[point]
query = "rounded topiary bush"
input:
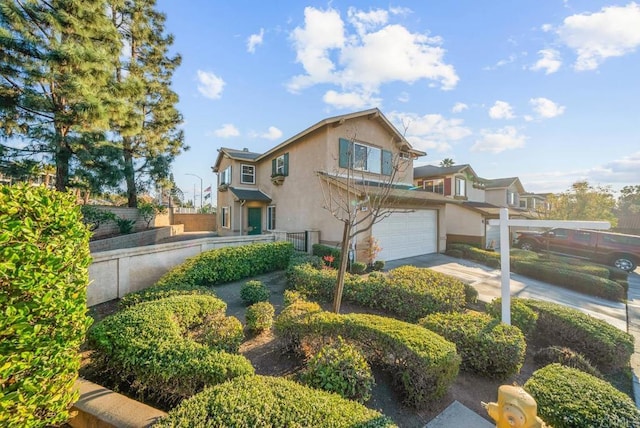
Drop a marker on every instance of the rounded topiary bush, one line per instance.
(358, 268)
(220, 332)
(570, 398)
(566, 357)
(263, 401)
(522, 316)
(44, 259)
(253, 292)
(339, 367)
(378, 265)
(486, 346)
(259, 316)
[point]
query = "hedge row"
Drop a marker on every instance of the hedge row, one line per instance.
(486, 346)
(409, 293)
(522, 316)
(44, 259)
(321, 250)
(570, 398)
(166, 348)
(604, 345)
(262, 401)
(423, 363)
(215, 267)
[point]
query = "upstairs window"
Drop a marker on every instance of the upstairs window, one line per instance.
(364, 157)
(280, 165)
(461, 187)
(511, 198)
(224, 177)
(248, 174)
(435, 186)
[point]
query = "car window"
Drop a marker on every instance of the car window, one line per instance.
(582, 236)
(560, 233)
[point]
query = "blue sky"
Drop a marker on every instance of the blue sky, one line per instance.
(548, 90)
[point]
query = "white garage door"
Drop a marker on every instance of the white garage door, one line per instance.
(407, 234)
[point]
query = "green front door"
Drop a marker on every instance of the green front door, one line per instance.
(254, 216)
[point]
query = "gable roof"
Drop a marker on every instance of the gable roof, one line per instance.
(427, 171)
(493, 211)
(503, 183)
(234, 154)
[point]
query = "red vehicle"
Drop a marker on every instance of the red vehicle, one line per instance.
(616, 249)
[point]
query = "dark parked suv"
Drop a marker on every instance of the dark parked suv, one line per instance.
(616, 249)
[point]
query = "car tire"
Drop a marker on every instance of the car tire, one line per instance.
(625, 262)
(527, 246)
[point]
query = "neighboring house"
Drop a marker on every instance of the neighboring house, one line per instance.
(286, 188)
(537, 204)
(478, 200)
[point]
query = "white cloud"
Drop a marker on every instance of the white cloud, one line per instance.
(459, 107)
(501, 110)
(430, 131)
(210, 85)
(404, 97)
(613, 31)
(549, 62)
(350, 100)
(272, 134)
(228, 130)
(545, 108)
(501, 63)
(625, 171)
(255, 40)
(374, 53)
(497, 141)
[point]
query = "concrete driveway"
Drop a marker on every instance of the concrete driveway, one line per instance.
(487, 281)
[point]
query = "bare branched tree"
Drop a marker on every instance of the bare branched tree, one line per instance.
(360, 196)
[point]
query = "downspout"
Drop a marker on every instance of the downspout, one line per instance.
(242, 202)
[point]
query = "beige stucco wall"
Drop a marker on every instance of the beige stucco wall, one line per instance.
(463, 221)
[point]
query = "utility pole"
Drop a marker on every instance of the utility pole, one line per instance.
(194, 190)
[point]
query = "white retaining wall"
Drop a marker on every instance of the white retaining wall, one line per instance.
(118, 272)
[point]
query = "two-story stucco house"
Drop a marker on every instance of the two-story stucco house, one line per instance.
(289, 187)
(477, 200)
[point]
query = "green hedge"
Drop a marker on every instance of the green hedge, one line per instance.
(157, 293)
(163, 348)
(262, 401)
(423, 363)
(321, 250)
(570, 398)
(486, 346)
(604, 345)
(409, 293)
(259, 316)
(44, 259)
(566, 357)
(522, 316)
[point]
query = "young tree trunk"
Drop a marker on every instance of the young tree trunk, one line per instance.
(344, 258)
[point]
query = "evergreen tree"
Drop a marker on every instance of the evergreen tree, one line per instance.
(583, 202)
(147, 137)
(56, 62)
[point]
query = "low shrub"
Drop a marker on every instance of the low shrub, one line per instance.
(254, 292)
(220, 332)
(378, 265)
(153, 346)
(470, 294)
(358, 268)
(407, 292)
(604, 345)
(292, 296)
(522, 316)
(486, 346)
(422, 362)
(156, 293)
(565, 357)
(262, 401)
(44, 260)
(321, 251)
(458, 254)
(339, 367)
(259, 316)
(228, 264)
(570, 398)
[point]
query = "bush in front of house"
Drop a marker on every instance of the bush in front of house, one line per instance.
(422, 362)
(522, 316)
(487, 346)
(470, 294)
(569, 398)
(378, 265)
(358, 268)
(259, 316)
(156, 293)
(339, 367)
(264, 401)
(604, 345)
(565, 357)
(407, 292)
(220, 332)
(44, 260)
(162, 348)
(253, 292)
(228, 264)
(322, 251)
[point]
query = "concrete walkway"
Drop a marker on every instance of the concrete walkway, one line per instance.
(488, 283)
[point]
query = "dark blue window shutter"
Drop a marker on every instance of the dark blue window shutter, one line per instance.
(345, 153)
(387, 162)
(286, 164)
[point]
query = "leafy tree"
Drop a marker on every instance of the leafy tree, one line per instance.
(583, 202)
(56, 62)
(446, 162)
(629, 200)
(147, 136)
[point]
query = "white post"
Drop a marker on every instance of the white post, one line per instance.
(505, 265)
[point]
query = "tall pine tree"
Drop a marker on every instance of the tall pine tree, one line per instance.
(56, 63)
(147, 137)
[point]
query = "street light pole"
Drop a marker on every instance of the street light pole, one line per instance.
(194, 196)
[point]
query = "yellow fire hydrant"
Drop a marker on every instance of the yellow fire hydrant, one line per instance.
(514, 409)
